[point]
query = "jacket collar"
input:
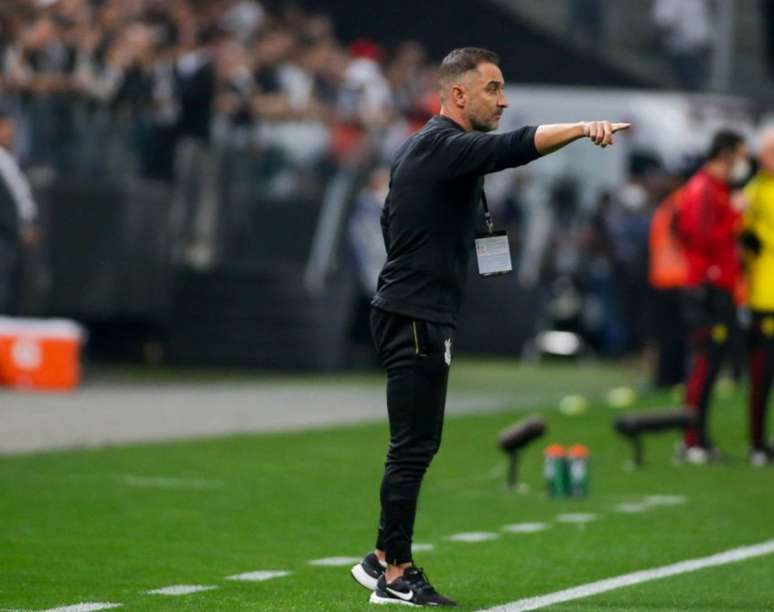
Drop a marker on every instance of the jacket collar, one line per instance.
(448, 120)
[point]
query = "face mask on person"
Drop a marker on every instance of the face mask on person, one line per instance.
(740, 170)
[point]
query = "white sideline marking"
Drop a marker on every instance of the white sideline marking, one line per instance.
(525, 527)
(633, 507)
(474, 536)
(576, 517)
(86, 607)
(166, 482)
(180, 589)
(334, 561)
(79, 607)
(259, 576)
(665, 500)
(420, 547)
(610, 584)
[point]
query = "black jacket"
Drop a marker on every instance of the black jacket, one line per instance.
(9, 217)
(429, 218)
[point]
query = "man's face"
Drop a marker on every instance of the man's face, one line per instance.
(739, 168)
(484, 97)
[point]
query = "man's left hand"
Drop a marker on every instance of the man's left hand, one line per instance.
(601, 132)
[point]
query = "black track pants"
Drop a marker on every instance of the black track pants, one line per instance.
(761, 375)
(710, 314)
(416, 355)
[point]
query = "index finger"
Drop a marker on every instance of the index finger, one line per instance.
(617, 127)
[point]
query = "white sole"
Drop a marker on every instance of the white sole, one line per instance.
(362, 578)
(382, 601)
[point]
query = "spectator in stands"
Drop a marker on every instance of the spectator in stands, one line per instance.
(365, 96)
(405, 76)
(195, 83)
(272, 66)
(236, 85)
(367, 248)
(686, 30)
(42, 72)
(365, 231)
(131, 60)
(18, 214)
(193, 211)
(243, 18)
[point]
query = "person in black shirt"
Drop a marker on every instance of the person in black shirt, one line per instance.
(18, 214)
(428, 223)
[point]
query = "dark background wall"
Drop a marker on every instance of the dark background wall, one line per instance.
(527, 55)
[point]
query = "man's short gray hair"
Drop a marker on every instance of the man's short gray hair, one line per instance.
(460, 61)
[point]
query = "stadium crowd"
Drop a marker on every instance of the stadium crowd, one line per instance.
(166, 71)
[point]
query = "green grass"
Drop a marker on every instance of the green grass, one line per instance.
(72, 528)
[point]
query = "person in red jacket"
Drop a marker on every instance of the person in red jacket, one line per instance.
(708, 225)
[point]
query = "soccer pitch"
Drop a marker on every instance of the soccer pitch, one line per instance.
(113, 524)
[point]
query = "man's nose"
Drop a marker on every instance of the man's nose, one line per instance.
(502, 102)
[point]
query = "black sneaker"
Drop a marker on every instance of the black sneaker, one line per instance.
(411, 589)
(368, 571)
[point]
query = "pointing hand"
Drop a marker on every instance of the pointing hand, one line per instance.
(601, 132)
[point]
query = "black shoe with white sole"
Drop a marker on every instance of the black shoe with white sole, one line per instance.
(368, 571)
(699, 455)
(411, 589)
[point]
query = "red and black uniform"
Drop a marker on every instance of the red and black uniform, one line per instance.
(708, 227)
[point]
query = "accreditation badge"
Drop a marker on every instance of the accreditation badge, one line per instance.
(493, 254)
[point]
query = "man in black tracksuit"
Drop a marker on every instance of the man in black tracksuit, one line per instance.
(429, 223)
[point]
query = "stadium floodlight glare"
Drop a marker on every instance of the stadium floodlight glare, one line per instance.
(635, 424)
(515, 437)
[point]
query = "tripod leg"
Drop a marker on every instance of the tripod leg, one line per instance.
(639, 451)
(513, 469)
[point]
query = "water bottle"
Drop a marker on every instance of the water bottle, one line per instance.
(578, 461)
(555, 471)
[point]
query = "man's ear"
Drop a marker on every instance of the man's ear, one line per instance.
(458, 95)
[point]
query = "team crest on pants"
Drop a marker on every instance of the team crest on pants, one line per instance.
(447, 351)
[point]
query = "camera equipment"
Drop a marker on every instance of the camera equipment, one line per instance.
(515, 437)
(635, 424)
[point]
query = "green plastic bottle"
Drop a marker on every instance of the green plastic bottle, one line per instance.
(556, 471)
(578, 462)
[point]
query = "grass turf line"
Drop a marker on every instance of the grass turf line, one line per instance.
(72, 531)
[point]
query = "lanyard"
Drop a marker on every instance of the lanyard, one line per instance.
(487, 214)
(493, 253)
